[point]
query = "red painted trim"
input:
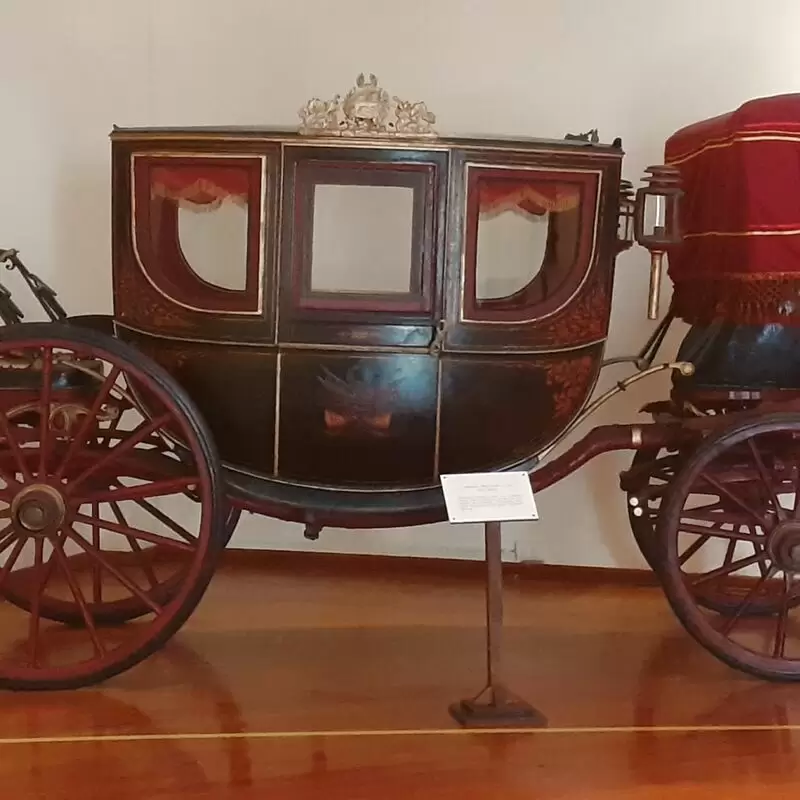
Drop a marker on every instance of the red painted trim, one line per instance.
(164, 261)
(495, 311)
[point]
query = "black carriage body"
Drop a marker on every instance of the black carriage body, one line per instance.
(348, 402)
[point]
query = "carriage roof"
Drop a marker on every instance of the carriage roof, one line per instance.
(765, 116)
(740, 256)
(292, 136)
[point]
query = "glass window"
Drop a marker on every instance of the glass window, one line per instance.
(362, 239)
(526, 244)
(197, 229)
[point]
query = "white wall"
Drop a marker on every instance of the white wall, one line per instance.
(638, 69)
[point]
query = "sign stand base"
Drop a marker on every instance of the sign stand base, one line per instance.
(510, 712)
(495, 706)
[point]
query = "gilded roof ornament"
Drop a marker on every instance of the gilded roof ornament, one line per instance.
(367, 110)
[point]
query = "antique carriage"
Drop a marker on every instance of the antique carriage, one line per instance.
(317, 324)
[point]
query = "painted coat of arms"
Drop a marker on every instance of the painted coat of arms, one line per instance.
(362, 402)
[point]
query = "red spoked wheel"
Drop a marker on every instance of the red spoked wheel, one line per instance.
(730, 524)
(647, 482)
(111, 506)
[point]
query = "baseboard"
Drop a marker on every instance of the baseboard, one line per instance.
(304, 562)
(355, 565)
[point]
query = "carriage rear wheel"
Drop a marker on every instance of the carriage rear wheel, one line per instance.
(730, 524)
(111, 506)
(647, 483)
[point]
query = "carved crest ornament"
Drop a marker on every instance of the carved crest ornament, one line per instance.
(367, 110)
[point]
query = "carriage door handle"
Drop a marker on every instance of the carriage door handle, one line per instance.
(437, 340)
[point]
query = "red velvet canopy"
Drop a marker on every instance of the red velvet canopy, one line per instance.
(740, 258)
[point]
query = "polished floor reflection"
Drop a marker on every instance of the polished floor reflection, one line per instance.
(238, 705)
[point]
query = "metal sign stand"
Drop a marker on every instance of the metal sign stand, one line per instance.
(495, 706)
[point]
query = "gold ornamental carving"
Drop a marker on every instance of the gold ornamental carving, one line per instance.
(367, 110)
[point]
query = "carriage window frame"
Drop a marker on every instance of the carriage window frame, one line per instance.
(171, 274)
(421, 176)
(480, 310)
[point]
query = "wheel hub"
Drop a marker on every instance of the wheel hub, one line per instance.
(784, 546)
(38, 509)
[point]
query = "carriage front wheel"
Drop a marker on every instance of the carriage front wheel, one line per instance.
(111, 507)
(730, 524)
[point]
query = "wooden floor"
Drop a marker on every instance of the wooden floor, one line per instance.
(307, 684)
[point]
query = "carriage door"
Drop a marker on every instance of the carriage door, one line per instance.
(529, 289)
(361, 246)
(360, 305)
(536, 237)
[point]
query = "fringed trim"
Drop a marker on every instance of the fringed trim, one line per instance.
(200, 196)
(526, 200)
(744, 300)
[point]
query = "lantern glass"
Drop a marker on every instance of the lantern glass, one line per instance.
(625, 224)
(656, 217)
(657, 220)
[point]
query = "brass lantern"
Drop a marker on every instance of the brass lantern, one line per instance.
(627, 208)
(656, 223)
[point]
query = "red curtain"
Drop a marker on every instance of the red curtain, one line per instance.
(534, 198)
(204, 186)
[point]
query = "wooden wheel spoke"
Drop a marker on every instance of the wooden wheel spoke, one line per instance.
(783, 618)
(7, 534)
(727, 569)
(91, 628)
(97, 578)
(6, 493)
(663, 474)
(89, 420)
(137, 436)
(766, 480)
(729, 552)
(98, 556)
(137, 533)
(719, 533)
(36, 602)
(112, 428)
(40, 583)
(692, 549)
(715, 515)
(167, 521)
(759, 547)
(747, 602)
(44, 413)
(13, 444)
(12, 558)
(147, 568)
(148, 490)
(699, 512)
(724, 490)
